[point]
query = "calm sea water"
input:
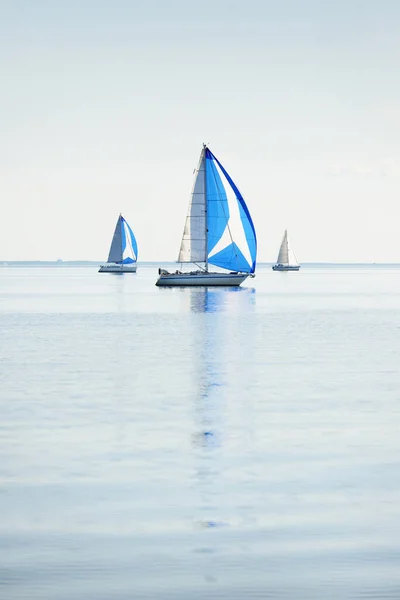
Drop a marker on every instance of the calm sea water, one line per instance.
(192, 443)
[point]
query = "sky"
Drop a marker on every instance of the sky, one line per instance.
(105, 105)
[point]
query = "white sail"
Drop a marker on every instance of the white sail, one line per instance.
(286, 255)
(193, 246)
(283, 256)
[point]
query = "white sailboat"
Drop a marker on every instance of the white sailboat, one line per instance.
(123, 250)
(286, 260)
(218, 231)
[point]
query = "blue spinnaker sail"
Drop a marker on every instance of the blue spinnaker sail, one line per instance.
(231, 237)
(128, 243)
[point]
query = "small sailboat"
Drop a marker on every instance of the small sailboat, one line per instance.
(123, 250)
(218, 231)
(286, 260)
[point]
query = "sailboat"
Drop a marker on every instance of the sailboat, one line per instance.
(286, 260)
(218, 231)
(123, 250)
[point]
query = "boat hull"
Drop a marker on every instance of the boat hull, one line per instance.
(116, 268)
(286, 267)
(200, 278)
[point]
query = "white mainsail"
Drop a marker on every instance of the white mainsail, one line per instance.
(286, 255)
(193, 245)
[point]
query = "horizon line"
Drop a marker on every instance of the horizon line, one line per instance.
(4, 263)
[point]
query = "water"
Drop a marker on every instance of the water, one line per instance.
(189, 443)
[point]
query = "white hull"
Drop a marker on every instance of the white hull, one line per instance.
(286, 268)
(200, 278)
(116, 268)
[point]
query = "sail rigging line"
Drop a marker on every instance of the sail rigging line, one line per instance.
(201, 267)
(295, 257)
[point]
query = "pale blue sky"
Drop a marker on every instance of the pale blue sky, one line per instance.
(105, 106)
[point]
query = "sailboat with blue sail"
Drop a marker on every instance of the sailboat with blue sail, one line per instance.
(218, 231)
(123, 250)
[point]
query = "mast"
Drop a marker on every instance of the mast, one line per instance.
(121, 225)
(205, 204)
